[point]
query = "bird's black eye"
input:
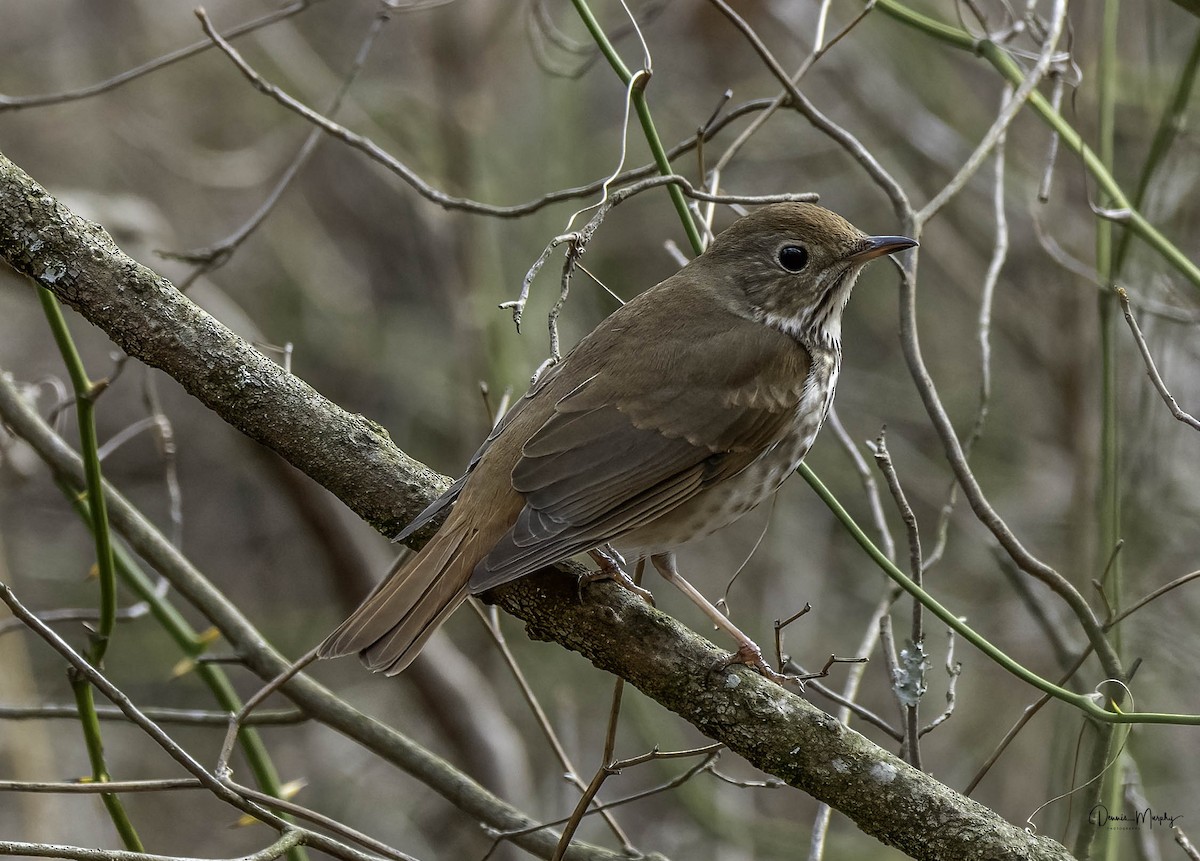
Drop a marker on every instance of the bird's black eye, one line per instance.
(793, 258)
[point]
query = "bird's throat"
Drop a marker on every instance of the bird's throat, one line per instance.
(817, 324)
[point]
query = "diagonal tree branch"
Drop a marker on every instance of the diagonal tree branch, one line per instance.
(775, 730)
(149, 319)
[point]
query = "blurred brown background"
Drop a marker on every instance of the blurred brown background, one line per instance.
(391, 303)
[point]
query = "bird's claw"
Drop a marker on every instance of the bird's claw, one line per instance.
(614, 572)
(750, 654)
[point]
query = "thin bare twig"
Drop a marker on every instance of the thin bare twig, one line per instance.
(1058, 84)
(326, 822)
(769, 783)
(77, 614)
(585, 801)
(448, 201)
(870, 487)
(614, 710)
(801, 103)
(8, 103)
(984, 328)
(986, 514)
(722, 603)
(855, 674)
(710, 752)
(1059, 254)
(163, 740)
(891, 663)
(219, 253)
(287, 840)
(803, 676)
(1151, 369)
(857, 709)
(576, 242)
(884, 459)
(1012, 104)
(1026, 716)
(491, 623)
(1135, 797)
(953, 672)
(94, 787)
(164, 436)
(820, 48)
(1186, 845)
(908, 681)
(1089, 274)
(1157, 593)
(188, 717)
(1051, 624)
(237, 719)
(779, 627)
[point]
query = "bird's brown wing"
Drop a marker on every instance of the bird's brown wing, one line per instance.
(450, 495)
(626, 446)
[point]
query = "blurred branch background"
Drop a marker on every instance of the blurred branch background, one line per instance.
(387, 304)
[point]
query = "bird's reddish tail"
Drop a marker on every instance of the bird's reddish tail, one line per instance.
(392, 624)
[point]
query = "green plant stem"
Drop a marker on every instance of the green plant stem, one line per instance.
(1082, 702)
(931, 26)
(85, 414)
(192, 644)
(1124, 210)
(1109, 508)
(1164, 138)
(642, 108)
(112, 559)
(85, 704)
(1004, 63)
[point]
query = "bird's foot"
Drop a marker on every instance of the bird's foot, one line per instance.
(610, 569)
(750, 654)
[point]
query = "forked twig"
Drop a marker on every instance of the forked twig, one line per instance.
(491, 623)
(220, 252)
(236, 720)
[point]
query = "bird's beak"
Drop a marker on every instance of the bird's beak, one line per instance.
(877, 246)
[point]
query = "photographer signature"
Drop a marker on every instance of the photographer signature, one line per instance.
(1099, 815)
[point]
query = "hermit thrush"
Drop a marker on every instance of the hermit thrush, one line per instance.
(683, 410)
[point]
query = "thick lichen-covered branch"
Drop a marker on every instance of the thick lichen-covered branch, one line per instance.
(774, 729)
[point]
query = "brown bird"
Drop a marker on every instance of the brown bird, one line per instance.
(680, 412)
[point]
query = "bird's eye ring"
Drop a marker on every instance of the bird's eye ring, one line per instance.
(793, 258)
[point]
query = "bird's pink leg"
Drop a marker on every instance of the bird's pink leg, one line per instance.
(748, 652)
